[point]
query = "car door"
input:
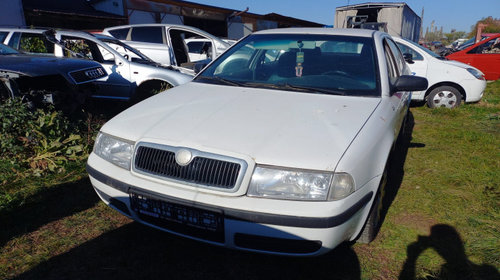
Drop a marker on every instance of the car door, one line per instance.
(178, 39)
(151, 41)
(117, 85)
(419, 67)
(396, 67)
(486, 57)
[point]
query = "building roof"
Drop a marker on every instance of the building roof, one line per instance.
(65, 7)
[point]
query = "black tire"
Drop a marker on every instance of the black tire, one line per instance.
(444, 96)
(372, 223)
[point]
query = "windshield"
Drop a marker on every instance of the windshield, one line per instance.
(340, 65)
(5, 50)
(126, 50)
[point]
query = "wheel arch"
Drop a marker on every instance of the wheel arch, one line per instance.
(449, 84)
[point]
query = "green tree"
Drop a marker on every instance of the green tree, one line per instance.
(492, 26)
(451, 37)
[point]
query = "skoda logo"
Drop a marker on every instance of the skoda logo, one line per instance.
(183, 157)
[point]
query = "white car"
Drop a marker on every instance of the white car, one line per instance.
(131, 75)
(167, 43)
(284, 153)
(450, 82)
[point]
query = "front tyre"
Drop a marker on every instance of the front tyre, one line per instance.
(444, 96)
(373, 222)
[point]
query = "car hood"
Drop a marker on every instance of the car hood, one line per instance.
(274, 127)
(456, 63)
(32, 65)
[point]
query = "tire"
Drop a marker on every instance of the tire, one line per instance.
(372, 224)
(444, 96)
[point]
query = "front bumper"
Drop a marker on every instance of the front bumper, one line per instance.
(261, 227)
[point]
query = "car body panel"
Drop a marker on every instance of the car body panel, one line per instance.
(165, 52)
(279, 128)
(488, 63)
(443, 72)
(124, 76)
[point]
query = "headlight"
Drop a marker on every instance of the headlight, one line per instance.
(291, 184)
(476, 73)
(114, 150)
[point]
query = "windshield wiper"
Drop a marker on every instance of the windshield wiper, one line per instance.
(311, 89)
(295, 87)
(222, 80)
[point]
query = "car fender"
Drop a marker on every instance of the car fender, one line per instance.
(366, 157)
(174, 78)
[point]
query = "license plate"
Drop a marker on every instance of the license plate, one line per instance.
(151, 209)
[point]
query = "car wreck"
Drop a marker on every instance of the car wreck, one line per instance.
(47, 80)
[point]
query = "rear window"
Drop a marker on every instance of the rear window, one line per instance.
(120, 34)
(149, 34)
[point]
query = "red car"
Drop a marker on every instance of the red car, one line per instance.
(484, 55)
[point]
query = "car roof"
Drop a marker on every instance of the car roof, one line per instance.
(322, 31)
(187, 27)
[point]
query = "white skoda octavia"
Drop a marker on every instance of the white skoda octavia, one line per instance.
(278, 146)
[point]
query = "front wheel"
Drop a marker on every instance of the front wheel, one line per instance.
(372, 224)
(444, 96)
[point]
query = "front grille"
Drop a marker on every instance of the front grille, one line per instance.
(87, 75)
(201, 170)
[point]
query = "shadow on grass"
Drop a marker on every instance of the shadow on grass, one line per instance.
(446, 241)
(135, 251)
(50, 204)
(396, 162)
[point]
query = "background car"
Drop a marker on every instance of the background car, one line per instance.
(450, 82)
(40, 79)
(283, 151)
(485, 55)
(166, 43)
(131, 75)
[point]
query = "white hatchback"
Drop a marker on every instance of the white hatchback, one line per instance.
(279, 145)
(450, 82)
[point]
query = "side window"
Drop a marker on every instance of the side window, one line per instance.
(148, 34)
(82, 48)
(120, 34)
(492, 46)
(3, 35)
(405, 49)
(14, 40)
(392, 70)
(35, 43)
(398, 57)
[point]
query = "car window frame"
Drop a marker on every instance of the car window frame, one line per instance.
(162, 32)
(419, 58)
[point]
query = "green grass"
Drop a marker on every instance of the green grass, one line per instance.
(443, 220)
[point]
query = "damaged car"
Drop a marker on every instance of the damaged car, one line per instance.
(41, 79)
(168, 44)
(132, 76)
(280, 145)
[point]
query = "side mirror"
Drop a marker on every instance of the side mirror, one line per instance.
(410, 83)
(199, 65)
(408, 58)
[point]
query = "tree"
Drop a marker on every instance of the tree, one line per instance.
(492, 26)
(451, 37)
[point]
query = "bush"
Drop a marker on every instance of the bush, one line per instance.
(41, 140)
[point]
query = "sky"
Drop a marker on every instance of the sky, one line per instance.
(450, 14)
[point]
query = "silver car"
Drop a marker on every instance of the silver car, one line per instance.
(131, 75)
